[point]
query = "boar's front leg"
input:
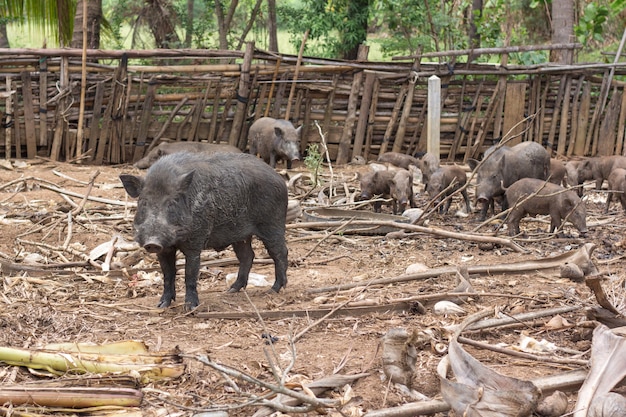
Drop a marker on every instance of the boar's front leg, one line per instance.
(245, 255)
(167, 259)
(192, 270)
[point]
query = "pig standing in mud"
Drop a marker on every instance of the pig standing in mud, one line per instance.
(452, 176)
(275, 139)
(599, 168)
(555, 200)
(398, 159)
(394, 184)
(617, 182)
(167, 148)
(190, 202)
(503, 166)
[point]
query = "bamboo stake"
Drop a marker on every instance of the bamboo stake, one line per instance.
(83, 87)
(295, 75)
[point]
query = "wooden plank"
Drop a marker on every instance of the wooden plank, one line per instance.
(470, 133)
(574, 117)
(60, 127)
(619, 144)
(29, 115)
(563, 125)
(394, 117)
(243, 94)
(372, 118)
(364, 110)
(608, 126)
(557, 110)
(592, 137)
(214, 113)
(583, 122)
(514, 107)
(43, 102)
(96, 116)
(8, 108)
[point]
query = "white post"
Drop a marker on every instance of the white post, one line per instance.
(434, 115)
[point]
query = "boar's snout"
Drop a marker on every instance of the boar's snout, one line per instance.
(153, 246)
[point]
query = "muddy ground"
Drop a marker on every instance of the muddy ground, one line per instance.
(70, 303)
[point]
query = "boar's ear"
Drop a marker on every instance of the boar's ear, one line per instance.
(278, 132)
(472, 163)
(132, 184)
(184, 181)
(299, 132)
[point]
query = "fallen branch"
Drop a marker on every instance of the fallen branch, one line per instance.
(71, 397)
(578, 256)
(415, 228)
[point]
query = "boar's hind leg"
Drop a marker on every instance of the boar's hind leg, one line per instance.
(277, 249)
(245, 255)
(167, 259)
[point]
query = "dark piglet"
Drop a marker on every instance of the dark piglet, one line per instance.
(599, 168)
(555, 200)
(190, 202)
(376, 183)
(571, 176)
(394, 184)
(427, 163)
(274, 140)
(452, 176)
(168, 148)
(398, 159)
(617, 185)
(503, 166)
(401, 190)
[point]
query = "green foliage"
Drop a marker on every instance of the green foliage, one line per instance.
(313, 162)
(590, 25)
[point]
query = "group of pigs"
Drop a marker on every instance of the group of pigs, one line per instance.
(198, 196)
(523, 178)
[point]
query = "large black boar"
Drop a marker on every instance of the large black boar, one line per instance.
(398, 159)
(452, 176)
(555, 200)
(275, 139)
(599, 168)
(505, 165)
(167, 148)
(191, 202)
(617, 185)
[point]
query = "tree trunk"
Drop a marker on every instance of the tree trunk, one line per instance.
(271, 25)
(189, 24)
(562, 30)
(356, 10)
(4, 38)
(476, 13)
(224, 22)
(161, 18)
(94, 20)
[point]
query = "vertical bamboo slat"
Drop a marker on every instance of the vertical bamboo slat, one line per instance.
(29, 115)
(242, 96)
(583, 122)
(574, 117)
(371, 118)
(404, 117)
(619, 145)
(514, 104)
(563, 124)
(8, 111)
(364, 110)
(43, 102)
(607, 132)
(394, 117)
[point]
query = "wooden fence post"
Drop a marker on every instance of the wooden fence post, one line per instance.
(242, 96)
(434, 115)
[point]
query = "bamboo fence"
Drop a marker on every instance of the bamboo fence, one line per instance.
(133, 99)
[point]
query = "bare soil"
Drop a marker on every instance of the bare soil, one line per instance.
(85, 304)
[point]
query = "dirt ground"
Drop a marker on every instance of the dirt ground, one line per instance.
(69, 303)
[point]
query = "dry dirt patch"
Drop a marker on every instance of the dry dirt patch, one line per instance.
(84, 304)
